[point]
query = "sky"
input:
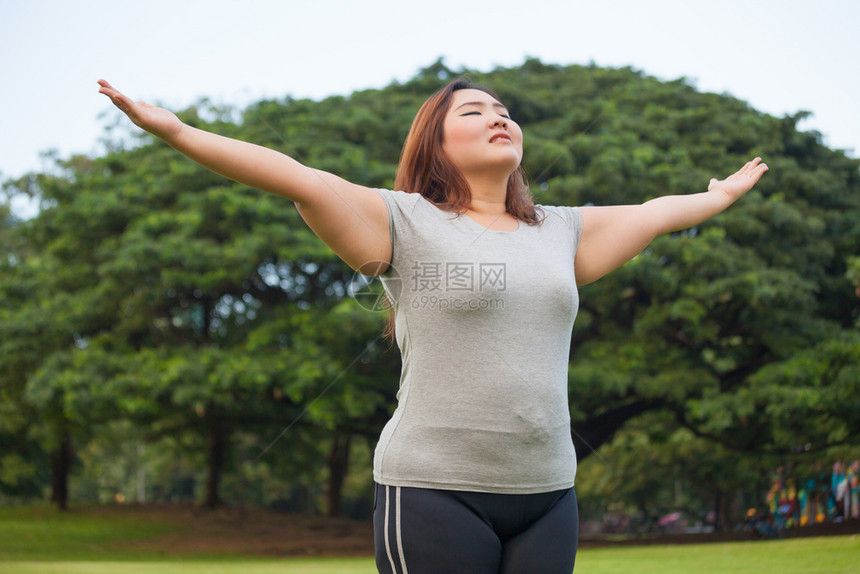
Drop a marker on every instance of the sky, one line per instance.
(780, 56)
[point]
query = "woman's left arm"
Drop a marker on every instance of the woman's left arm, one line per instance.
(612, 236)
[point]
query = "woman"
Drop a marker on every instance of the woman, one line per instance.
(475, 469)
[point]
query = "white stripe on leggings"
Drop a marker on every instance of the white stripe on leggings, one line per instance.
(387, 542)
(399, 539)
(397, 530)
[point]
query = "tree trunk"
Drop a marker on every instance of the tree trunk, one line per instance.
(338, 465)
(217, 443)
(61, 465)
(723, 503)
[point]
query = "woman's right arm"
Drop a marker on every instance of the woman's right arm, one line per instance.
(349, 218)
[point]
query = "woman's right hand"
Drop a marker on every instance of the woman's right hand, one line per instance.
(157, 121)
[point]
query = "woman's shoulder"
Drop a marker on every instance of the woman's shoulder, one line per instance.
(398, 196)
(570, 215)
(409, 207)
(400, 200)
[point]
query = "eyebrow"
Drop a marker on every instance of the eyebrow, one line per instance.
(495, 105)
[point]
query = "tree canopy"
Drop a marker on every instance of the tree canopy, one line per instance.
(148, 291)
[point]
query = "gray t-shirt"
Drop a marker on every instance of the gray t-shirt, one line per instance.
(483, 320)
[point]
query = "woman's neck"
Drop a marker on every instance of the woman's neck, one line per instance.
(492, 207)
(489, 196)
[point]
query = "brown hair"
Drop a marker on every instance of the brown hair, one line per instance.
(424, 168)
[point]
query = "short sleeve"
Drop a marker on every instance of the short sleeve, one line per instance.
(575, 222)
(571, 218)
(401, 206)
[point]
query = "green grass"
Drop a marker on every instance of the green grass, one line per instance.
(830, 555)
(244, 566)
(44, 533)
(44, 541)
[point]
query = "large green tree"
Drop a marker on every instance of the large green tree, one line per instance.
(150, 290)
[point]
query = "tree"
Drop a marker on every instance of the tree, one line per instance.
(178, 301)
(20, 453)
(152, 291)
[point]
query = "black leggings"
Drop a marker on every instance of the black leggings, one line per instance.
(425, 531)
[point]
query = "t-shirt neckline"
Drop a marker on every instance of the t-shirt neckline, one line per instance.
(484, 228)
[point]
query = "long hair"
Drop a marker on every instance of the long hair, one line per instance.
(424, 168)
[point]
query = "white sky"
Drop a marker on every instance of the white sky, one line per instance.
(781, 56)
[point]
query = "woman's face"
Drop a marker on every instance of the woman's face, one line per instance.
(479, 135)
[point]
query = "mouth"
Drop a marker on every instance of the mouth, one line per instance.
(500, 138)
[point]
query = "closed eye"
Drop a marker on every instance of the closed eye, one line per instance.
(507, 117)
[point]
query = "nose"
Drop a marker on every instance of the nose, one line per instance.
(500, 121)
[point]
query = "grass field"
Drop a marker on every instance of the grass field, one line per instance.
(126, 541)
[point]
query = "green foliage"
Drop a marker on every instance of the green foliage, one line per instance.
(853, 275)
(151, 291)
(814, 397)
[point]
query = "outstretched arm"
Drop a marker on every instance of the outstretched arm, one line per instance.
(613, 235)
(351, 219)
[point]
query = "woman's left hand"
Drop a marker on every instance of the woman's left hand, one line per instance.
(741, 181)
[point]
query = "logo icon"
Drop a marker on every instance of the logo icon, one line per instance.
(369, 293)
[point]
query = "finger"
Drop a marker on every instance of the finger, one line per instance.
(106, 88)
(119, 99)
(754, 163)
(757, 172)
(757, 165)
(760, 170)
(115, 95)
